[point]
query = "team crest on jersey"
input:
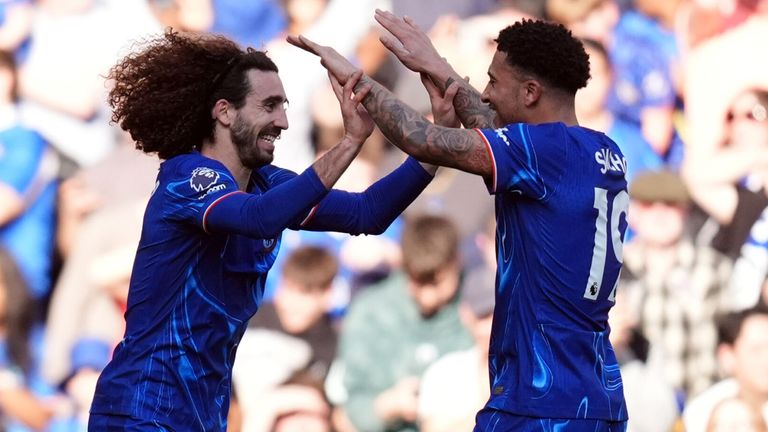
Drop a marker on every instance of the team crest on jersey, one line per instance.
(203, 178)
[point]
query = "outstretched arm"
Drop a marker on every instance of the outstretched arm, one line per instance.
(403, 126)
(414, 49)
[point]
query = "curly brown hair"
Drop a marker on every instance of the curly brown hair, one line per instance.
(547, 50)
(163, 93)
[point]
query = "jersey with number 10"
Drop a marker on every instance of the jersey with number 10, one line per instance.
(561, 206)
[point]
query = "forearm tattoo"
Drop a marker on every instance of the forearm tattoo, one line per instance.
(413, 134)
(470, 108)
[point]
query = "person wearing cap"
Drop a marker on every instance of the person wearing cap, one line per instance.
(680, 283)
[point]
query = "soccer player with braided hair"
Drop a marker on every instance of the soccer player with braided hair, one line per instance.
(561, 203)
(212, 228)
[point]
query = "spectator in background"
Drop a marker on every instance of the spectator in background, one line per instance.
(396, 329)
(743, 356)
(89, 298)
(296, 405)
(681, 283)
(19, 406)
(293, 334)
(456, 386)
(651, 400)
(592, 112)
(732, 61)
(63, 89)
(645, 54)
(28, 171)
(729, 182)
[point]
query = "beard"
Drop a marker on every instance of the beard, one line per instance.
(245, 138)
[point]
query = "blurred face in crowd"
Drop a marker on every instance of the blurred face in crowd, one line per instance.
(591, 99)
(747, 122)
(431, 296)
(747, 359)
(658, 223)
(299, 307)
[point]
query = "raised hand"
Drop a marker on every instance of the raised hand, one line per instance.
(358, 125)
(409, 43)
(442, 103)
(334, 62)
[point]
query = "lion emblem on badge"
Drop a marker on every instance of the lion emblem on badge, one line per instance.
(203, 178)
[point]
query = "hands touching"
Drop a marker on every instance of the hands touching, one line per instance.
(358, 125)
(442, 102)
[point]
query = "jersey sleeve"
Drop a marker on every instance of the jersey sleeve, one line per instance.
(526, 159)
(195, 187)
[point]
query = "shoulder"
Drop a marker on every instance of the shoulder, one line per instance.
(387, 296)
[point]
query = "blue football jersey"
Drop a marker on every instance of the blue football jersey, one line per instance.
(191, 296)
(561, 205)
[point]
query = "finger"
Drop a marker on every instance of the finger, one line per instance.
(432, 89)
(393, 45)
(392, 23)
(349, 87)
(411, 23)
(336, 85)
(451, 91)
(295, 41)
(362, 93)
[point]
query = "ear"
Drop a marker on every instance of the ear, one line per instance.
(223, 112)
(532, 92)
(726, 358)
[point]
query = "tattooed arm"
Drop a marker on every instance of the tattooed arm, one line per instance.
(463, 149)
(414, 49)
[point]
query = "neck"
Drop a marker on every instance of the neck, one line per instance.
(756, 400)
(557, 109)
(224, 151)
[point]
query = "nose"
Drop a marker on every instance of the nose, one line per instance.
(484, 97)
(281, 120)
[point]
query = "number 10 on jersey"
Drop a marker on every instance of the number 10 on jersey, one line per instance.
(606, 229)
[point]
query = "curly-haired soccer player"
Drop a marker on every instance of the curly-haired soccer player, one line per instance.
(561, 204)
(213, 224)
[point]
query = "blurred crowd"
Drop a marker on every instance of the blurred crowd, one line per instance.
(390, 332)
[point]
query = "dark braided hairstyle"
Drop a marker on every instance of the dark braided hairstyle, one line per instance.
(548, 51)
(163, 93)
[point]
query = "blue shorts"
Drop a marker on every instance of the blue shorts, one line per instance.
(490, 420)
(117, 422)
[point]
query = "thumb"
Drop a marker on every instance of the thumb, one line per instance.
(393, 45)
(430, 86)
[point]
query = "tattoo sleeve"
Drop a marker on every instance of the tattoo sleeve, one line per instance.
(407, 129)
(470, 108)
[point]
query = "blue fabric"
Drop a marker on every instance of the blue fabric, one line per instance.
(642, 53)
(561, 198)
(192, 292)
(489, 420)
(250, 23)
(639, 154)
(29, 237)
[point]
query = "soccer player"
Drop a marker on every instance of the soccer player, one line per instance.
(561, 200)
(213, 224)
